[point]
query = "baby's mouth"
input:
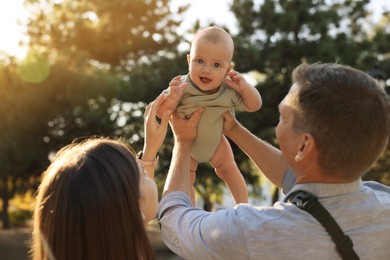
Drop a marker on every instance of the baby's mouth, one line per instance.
(205, 80)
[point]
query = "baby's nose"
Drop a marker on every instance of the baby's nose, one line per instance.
(206, 68)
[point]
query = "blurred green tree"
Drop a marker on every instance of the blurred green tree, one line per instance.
(119, 33)
(22, 128)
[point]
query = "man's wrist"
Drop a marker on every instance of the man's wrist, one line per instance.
(184, 141)
(231, 132)
(183, 145)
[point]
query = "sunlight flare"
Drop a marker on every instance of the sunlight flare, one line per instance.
(34, 68)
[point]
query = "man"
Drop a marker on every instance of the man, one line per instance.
(334, 124)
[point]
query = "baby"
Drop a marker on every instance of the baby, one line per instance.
(213, 85)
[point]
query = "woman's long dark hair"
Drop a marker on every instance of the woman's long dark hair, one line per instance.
(88, 205)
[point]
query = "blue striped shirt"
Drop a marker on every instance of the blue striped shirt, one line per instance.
(282, 231)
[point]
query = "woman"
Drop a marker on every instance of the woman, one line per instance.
(96, 196)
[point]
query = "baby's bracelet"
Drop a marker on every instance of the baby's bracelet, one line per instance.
(146, 163)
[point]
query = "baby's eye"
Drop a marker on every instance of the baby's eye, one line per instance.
(217, 65)
(199, 61)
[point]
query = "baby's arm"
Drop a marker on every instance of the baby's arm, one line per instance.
(249, 94)
(174, 93)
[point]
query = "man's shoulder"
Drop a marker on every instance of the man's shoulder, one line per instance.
(376, 186)
(261, 214)
(380, 192)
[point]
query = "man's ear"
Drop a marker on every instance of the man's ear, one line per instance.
(307, 147)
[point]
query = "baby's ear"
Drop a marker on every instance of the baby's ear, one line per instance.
(188, 59)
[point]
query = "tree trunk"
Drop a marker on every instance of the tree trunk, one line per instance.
(5, 216)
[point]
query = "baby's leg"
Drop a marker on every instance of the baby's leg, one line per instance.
(226, 169)
(193, 167)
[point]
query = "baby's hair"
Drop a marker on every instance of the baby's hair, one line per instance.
(214, 35)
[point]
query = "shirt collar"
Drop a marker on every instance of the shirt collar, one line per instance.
(329, 189)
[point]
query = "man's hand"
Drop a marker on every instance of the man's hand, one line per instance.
(184, 130)
(229, 121)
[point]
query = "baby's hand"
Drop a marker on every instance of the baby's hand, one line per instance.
(250, 96)
(175, 90)
(237, 81)
(172, 95)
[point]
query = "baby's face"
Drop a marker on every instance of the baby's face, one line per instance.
(208, 64)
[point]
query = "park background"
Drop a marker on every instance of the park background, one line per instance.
(73, 69)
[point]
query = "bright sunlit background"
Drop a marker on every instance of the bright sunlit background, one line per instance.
(13, 15)
(11, 33)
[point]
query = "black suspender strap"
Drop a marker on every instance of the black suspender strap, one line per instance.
(308, 202)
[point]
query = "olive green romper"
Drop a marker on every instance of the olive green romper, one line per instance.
(211, 123)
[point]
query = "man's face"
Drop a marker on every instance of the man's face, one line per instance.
(289, 140)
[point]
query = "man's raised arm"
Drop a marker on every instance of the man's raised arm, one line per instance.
(184, 131)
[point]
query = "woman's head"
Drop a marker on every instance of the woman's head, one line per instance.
(89, 204)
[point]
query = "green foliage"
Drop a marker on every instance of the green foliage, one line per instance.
(19, 218)
(34, 68)
(118, 32)
(146, 81)
(37, 119)
(23, 153)
(380, 172)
